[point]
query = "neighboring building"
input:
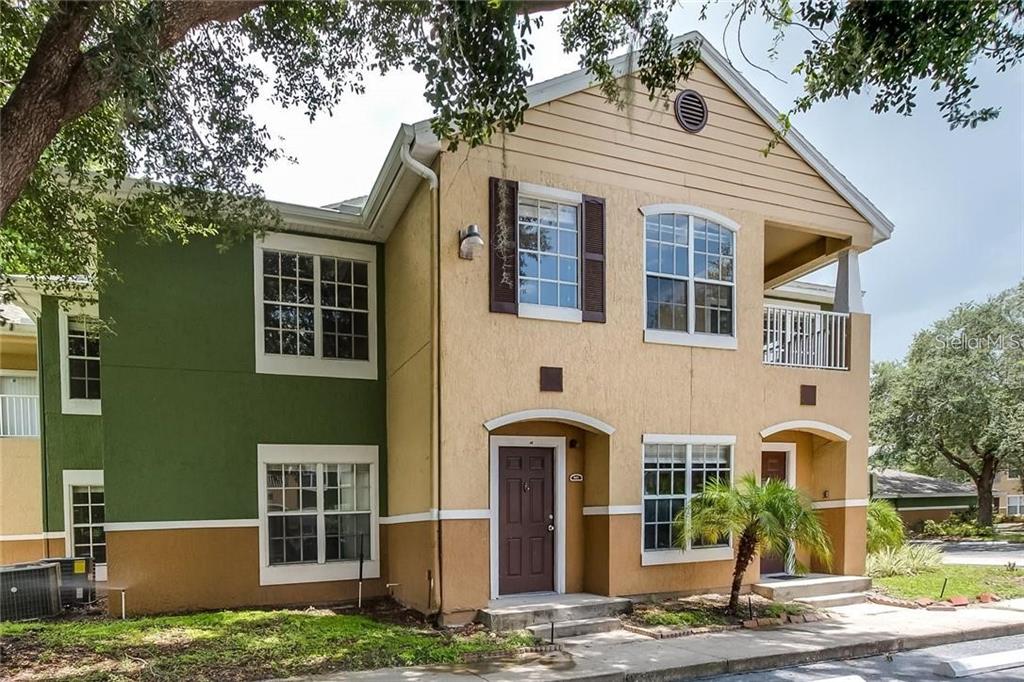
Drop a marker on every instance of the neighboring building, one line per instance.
(526, 420)
(21, 481)
(1008, 492)
(919, 498)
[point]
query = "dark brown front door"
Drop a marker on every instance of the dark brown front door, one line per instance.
(773, 465)
(526, 508)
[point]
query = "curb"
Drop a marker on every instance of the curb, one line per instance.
(791, 659)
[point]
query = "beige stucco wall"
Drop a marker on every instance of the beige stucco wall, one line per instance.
(21, 487)
(17, 351)
(410, 361)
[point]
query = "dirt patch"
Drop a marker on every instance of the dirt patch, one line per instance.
(705, 611)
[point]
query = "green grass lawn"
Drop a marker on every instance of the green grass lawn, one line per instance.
(969, 581)
(229, 645)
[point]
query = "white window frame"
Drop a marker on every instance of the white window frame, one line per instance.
(316, 365)
(658, 557)
(1019, 505)
(73, 478)
(322, 571)
(692, 338)
(69, 405)
(539, 311)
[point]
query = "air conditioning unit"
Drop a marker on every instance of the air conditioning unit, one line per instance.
(77, 580)
(29, 591)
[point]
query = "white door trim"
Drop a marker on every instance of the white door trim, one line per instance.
(790, 450)
(557, 443)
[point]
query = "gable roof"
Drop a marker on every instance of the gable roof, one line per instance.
(555, 88)
(890, 483)
(374, 217)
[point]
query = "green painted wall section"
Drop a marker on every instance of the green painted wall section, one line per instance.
(71, 441)
(183, 408)
(914, 502)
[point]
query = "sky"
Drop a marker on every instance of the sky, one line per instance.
(956, 197)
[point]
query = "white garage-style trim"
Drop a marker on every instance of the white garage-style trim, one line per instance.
(551, 415)
(817, 428)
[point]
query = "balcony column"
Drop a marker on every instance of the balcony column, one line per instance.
(848, 292)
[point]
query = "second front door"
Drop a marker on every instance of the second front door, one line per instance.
(526, 508)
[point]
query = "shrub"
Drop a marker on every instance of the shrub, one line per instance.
(905, 560)
(885, 527)
(952, 528)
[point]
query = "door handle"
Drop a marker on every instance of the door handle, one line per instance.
(551, 528)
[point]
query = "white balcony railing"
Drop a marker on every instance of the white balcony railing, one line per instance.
(19, 415)
(805, 338)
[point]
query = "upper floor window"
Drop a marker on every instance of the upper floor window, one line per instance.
(316, 307)
(690, 265)
(79, 362)
(548, 238)
(676, 468)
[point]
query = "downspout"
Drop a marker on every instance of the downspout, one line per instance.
(44, 460)
(435, 291)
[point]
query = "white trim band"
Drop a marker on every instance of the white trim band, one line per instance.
(551, 415)
(614, 510)
(49, 535)
(815, 427)
(950, 506)
(838, 504)
(434, 515)
(181, 525)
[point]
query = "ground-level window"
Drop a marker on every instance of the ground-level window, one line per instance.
(676, 468)
(318, 512)
(87, 515)
(318, 518)
(1015, 505)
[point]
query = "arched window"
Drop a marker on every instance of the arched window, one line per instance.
(690, 282)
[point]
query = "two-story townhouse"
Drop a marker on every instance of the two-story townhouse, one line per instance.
(585, 320)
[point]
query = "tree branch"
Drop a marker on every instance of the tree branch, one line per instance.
(956, 461)
(61, 83)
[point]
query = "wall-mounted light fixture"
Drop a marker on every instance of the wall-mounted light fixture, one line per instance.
(470, 242)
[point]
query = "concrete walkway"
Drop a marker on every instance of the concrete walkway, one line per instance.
(853, 632)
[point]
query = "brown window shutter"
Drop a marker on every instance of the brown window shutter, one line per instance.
(593, 259)
(504, 270)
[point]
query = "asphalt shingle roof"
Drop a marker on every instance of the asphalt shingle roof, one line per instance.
(896, 483)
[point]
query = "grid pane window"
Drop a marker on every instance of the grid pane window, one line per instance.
(690, 261)
(83, 361)
(288, 304)
(667, 244)
(87, 516)
(344, 300)
(318, 512)
(673, 474)
(548, 253)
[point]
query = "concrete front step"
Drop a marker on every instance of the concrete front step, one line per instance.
(826, 601)
(517, 613)
(790, 589)
(574, 628)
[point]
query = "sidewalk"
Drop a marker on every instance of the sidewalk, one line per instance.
(854, 631)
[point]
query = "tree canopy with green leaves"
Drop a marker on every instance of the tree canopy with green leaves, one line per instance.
(97, 92)
(956, 403)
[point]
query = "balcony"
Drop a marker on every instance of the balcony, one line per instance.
(806, 338)
(19, 416)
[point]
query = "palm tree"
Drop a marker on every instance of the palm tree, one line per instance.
(885, 526)
(765, 517)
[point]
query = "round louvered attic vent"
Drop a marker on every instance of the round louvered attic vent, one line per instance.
(691, 111)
